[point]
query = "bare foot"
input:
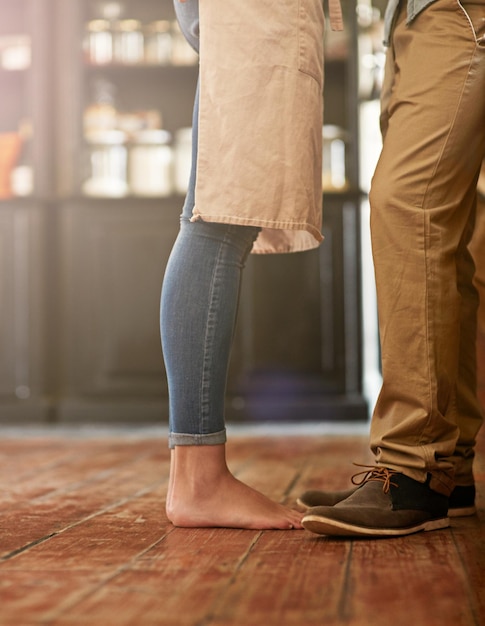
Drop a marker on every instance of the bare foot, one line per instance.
(203, 493)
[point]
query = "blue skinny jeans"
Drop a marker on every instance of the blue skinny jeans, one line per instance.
(199, 303)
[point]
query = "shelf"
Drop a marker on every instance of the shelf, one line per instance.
(17, 72)
(126, 70)
(126, 200)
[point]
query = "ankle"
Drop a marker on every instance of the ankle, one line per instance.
(196, 472)
(198, 468)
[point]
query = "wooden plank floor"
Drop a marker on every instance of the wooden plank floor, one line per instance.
(84, 540)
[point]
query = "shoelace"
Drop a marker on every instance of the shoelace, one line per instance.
(374, 472)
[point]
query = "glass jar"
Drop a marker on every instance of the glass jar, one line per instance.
(99, 42)
(151, 164)
(128, 43)
(22, 180)
(15, 52)
(158, 43)
(108, 164)
(334, 177)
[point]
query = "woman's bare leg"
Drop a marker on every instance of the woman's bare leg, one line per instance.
(203, 493)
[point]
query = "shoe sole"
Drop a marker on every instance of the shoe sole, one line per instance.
(326, 526)
(464, 511)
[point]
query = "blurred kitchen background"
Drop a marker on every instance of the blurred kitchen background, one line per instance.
(95, 114)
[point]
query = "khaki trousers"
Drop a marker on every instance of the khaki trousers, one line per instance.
(423, 203)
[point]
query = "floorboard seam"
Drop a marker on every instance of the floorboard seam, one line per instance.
(213, 611)
(346, 594)
(69, 606)
(40, 540)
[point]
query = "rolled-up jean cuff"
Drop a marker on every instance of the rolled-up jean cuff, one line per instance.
(185, 439)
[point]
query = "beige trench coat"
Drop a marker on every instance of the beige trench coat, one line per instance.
(260, 119)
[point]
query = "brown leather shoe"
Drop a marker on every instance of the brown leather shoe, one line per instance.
(315, 497)
(461, 503)
(387, 504)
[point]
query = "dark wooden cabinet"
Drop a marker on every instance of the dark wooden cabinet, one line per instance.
(88, 297)
(113, 256)
(298, 350)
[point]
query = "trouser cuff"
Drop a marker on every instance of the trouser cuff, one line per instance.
(186, 439)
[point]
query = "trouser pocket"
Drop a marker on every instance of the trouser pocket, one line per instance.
(475, 13)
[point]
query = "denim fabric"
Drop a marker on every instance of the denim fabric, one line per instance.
(188, 18)
(199, 303)
(198, 315)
